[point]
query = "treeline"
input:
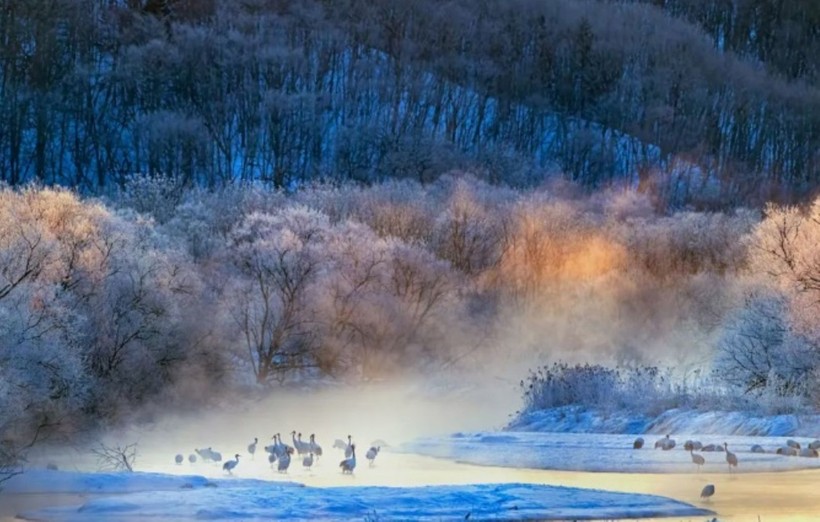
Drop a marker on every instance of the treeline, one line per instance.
(169, 294)
(664, 98)
(783, 34)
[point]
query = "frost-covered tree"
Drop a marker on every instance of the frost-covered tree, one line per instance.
(468, 232)
(98, 312)
(137, 310)
(759, 351)
(279, 257)
(784, 252)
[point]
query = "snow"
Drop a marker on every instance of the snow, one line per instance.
(605, 452)
(47, 481)
(150, 496)
(577, 419)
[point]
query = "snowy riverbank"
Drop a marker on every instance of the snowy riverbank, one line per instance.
(604, 452)
(151, 496)
(578, 419)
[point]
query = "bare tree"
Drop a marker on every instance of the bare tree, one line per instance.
(115, 458)
(278, 258)
(759, 350)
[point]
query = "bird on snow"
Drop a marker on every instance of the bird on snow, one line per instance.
(298, 444)
(273, 449)
(787, 450)
(307, 462)
(283, 447)
(304, 445)
(216, 456)
(230, 464)
(731, 458)
(698, 460)
(757, 448)
(179, 458)
(707, 491)
(793, 444)
(349, 464)
(349, 447)
(252, 446)
(665, 443)
(371, 454)
(815, 445)
(192, 458)
(638, 444)
(808, 452)
(284, 461)
(314, 446)
(205, 453)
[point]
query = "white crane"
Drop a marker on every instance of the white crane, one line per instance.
(349, 464)
(372, 453)
(298, 444)
(808, 452)
(205, 453)
(303, 447)
(692, 445)
(252, 446)
(231, 464)
(271, 448)
(349, 447)
(698, 460)
(708, 491)
(315, 448)
(283, 447)
(665, 443)
(284, 461)
(787, 450)
(307, 462)
(731, 458)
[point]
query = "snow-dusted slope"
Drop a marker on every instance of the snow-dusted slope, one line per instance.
(577, 419)
(164, 497)
(604, 452)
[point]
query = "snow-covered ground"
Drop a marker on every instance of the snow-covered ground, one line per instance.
(577, 419)
(511, 475)
(605, 452)
(147, 496)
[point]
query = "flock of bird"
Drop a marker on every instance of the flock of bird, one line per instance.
(668, 443)
(791, 448)
(280, 453)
